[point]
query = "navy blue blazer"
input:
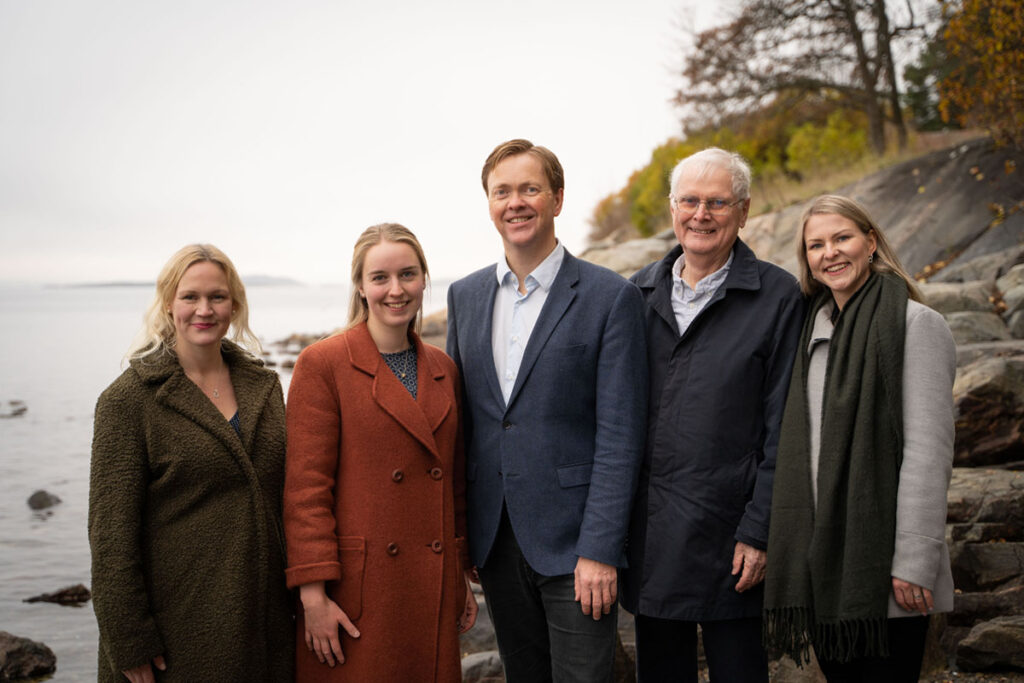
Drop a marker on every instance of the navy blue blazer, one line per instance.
(564, 454)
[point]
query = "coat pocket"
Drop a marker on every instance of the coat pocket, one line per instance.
(575, 475)
(348, 592)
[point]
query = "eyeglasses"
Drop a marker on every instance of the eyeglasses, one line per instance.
(713, 205)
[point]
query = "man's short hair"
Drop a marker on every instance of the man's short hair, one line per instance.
(548, 161)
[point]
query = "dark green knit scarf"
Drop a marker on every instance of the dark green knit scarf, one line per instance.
(828, 577)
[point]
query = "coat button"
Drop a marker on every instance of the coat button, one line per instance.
(436, 546)
(392, 549)
(397, 475)
(506, 424)
(436, 473)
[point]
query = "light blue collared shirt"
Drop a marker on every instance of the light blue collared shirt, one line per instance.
(516, 314)
(687, 303)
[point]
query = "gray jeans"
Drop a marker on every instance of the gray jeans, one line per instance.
(542, 633)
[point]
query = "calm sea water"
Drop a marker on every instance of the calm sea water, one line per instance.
(59, 348)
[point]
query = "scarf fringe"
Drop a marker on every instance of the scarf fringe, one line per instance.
(786, 630)
(844, 640)
(789, 630)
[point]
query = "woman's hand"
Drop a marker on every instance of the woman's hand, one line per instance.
(469, 612)
(144, 672)
(323, 616)
(912, 597)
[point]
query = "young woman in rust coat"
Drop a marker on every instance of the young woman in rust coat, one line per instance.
(374, 507)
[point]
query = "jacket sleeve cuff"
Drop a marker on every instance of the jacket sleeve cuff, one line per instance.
(311, 573)
(752, 534)
(129, 650)
(917, 558)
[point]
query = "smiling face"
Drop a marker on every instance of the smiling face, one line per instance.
(392, 284)
(707, 239)
(522, 204)
(837, 254)
(202, 306)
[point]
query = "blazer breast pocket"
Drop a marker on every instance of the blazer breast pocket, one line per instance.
(564, 372)
(348, 592)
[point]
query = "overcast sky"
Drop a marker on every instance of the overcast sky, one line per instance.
(279, 131)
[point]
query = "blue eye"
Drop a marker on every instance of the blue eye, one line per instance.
(688, 202)
(716, 204)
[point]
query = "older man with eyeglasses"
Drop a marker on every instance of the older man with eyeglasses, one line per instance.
(722, 329)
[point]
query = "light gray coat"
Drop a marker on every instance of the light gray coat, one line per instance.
(929, 368)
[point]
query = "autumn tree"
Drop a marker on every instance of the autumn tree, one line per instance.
(986, 86)
(832, 48)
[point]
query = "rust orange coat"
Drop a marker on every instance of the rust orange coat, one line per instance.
(374, 505)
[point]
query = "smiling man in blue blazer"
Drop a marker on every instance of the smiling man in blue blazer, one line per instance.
(553, 361)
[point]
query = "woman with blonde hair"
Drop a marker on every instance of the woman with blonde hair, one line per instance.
(185, 492)
(857, 557)
(374, 506)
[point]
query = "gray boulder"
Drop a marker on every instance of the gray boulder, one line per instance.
(987, 566)
(986, 267)
(71, 595)
(628, 257)
(995, 644)
(953, 297)
(971, 608)
(1012, 279)
(988, 398)
(968, 353)
(1015, 323)
(24, 658)
(985, 505)
(482, 667)
(977, 326)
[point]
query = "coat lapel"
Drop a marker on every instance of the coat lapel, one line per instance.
(418, 417)
(479, 328)
(179, 393)
(563, 291)
(659, 298)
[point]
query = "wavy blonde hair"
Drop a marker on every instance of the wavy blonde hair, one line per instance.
(358, 312)
(158, 334)
(885, 258)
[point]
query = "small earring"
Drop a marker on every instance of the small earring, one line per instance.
(871, 257)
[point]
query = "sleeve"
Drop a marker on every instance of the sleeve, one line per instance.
(753, 526)
(313, 430)
(929, 369)
(118, 479)
(621, 419)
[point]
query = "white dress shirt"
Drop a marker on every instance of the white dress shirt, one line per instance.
(515, 315)
(687, 302)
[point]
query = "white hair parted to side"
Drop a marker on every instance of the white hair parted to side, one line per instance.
(713, 158)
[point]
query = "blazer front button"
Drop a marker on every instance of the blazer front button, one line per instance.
(392, 549)
(506, 424)
(436, 546)
(436, 473)
(397, 475)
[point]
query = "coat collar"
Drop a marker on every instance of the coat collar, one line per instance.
(253, 385)
(421, 416)
(656, 279)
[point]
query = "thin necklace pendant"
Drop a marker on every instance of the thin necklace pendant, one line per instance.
(216, 394)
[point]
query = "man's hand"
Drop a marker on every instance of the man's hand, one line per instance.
(752, 562)
(596, 587)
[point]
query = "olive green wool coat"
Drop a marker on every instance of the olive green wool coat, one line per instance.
(185, 525)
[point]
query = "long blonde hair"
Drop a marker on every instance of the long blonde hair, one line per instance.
(358, 312)
(157, 333)
(885, 259)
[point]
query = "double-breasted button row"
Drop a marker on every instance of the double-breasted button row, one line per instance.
(435, 545)
(435, 473)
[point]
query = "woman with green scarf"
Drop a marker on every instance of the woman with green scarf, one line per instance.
(857, 557)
